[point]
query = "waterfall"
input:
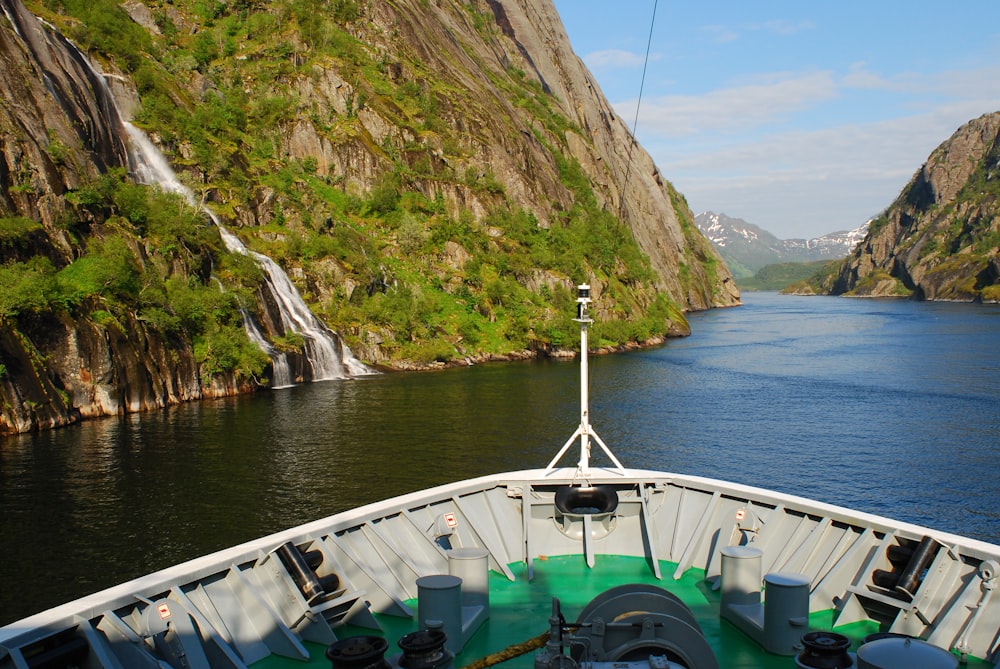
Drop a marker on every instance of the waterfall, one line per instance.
(74, 84)
(12, 18)
(281, 372)
(322, 348)
(327, 356)
(63, 66)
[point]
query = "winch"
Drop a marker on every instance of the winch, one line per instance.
(629, 626)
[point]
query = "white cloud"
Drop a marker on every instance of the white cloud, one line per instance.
(809, 183)
(840, 148)
(860, 77)
(760, 102)
(973, 84)
(722, 34)
(822, 147)
(616, 59)
(782, 27)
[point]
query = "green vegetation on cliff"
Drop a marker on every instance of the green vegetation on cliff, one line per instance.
(251, 101)
(147, 260)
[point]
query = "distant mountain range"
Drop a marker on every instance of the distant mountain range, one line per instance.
(747, 248)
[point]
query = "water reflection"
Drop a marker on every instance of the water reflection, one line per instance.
(890, 407)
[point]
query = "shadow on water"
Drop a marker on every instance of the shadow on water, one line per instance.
(890, 407)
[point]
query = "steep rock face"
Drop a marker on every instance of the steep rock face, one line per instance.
(631, 183)
(940, 239)
(61, 370)
(438, 45)
(59, 129)
(59, 124)
(660, 220)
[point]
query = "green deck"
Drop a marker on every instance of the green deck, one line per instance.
(519, 610)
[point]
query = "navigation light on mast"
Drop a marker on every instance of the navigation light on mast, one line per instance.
(584, 431)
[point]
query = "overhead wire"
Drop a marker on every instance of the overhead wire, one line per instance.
(638, 103)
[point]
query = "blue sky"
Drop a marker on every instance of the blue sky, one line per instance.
(802, 117)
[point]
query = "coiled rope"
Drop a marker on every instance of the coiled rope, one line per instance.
(510, 652)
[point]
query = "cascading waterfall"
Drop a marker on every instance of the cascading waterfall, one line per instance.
(327, 356)
(281, 371)
(322, 348)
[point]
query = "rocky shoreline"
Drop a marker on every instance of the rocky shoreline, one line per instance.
(527, 354)
(34, 416)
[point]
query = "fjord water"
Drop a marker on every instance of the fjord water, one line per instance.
(891, 407)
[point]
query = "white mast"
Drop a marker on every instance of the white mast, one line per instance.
(584, 431)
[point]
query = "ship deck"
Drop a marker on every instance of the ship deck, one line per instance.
(519, 611)
(278, 601)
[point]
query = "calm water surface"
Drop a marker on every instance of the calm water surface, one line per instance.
(891, 407)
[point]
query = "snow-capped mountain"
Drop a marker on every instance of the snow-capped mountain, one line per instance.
(746, 247)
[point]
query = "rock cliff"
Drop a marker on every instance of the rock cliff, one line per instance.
(628, 180)
(940, 239)
(59, 130)
(435, 177)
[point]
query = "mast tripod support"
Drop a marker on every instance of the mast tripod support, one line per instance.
(585, 431)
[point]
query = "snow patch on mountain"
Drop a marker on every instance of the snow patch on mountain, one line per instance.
(746, 247)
